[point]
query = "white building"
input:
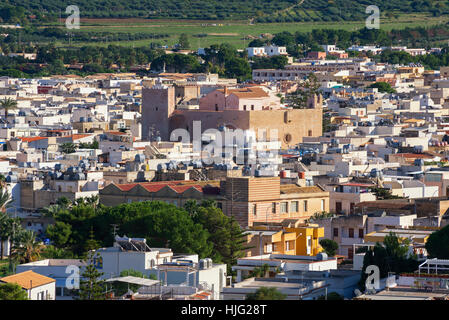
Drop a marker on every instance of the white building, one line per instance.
(37, 286)
(269, 51)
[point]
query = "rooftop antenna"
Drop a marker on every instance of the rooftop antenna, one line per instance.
(114, 229)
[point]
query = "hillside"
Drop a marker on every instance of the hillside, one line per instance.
(257, 10)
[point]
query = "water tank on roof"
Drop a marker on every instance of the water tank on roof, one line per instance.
(79, 176)
(170, 166)
(419, 162)
(197, 165)
(322, 256)
(139, 158)
(12, 178)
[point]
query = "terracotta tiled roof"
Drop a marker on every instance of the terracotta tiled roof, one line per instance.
(247, 92)
(28, 279)
(31, 139)
(293, 188)
(79, 136)
(414, 155)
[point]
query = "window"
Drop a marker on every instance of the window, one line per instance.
(244, 107)
(284, 207)
(252, 107)
(216, 107)
(351, 232)
(254, 209)
(294, 206)
(268, 248)
(289, 245)
(335, 232)
(361, 233)
(310, 133)
(323, 205)
(305, 205)
(219, 205)
(273, 207)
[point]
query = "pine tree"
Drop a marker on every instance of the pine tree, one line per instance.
(91, 285)
(236, 242)
(91, 244)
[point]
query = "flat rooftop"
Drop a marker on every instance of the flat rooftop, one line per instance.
(403, 293)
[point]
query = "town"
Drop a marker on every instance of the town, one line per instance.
(325, 179)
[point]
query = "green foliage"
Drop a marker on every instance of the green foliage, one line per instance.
(383, 87)
(93, 145)
(12, 291)
(309, 88)
(259, 10)
(383, 194)
(184, 41)
(329, 246)
(59, 233)
(438, 244)
(52, 252)
(8, 104)
(275, 62)
(225, 233)
(25, 247)
(261, 272)
(120, 288)
(91, 285)
(264, 293)
(391, 256)
(68, 147)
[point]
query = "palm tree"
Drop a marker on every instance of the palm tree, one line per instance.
(5, 220)
(27, 248)
(8, 104)
(5, 199)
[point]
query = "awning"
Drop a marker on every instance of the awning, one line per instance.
(135, 280)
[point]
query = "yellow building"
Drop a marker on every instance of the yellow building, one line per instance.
(301, 240)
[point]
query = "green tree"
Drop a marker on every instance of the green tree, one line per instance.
(59, 233)
(26, 248)
(184, 41)
(92, 287)
(225, 233)
(120, 288)
(390, 256)
(309, 88)
(6, 223)
(68, 147)
(438, 244)
(264, 293)
(8, 104)
(329, 246)
(12, 291)
(383, 87)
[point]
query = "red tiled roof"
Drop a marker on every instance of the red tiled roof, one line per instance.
(79, 136)
(415, 155)
(31, 139)
(176, 186)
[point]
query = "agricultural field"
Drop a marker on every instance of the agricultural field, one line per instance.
(237, 33)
